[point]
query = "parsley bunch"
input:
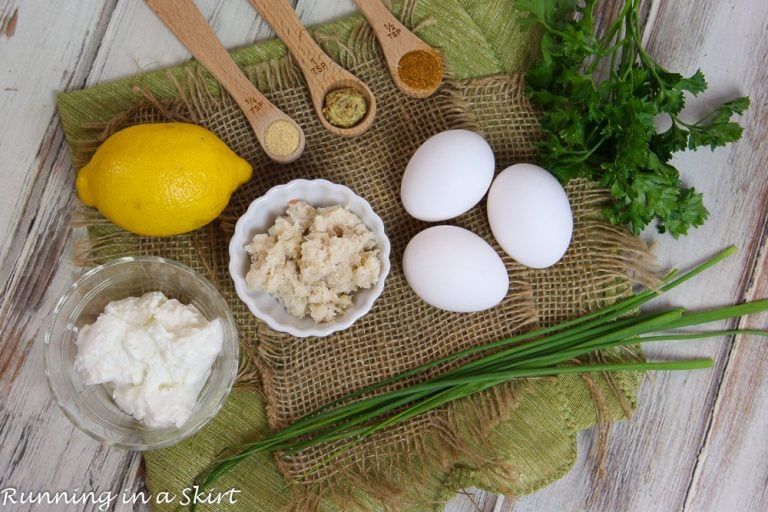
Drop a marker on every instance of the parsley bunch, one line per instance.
(600, 97)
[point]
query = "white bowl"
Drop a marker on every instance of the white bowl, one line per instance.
(261, 215)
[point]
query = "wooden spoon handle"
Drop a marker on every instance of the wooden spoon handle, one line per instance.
(186, 21)
(381, 20)
(321, 73)
(395, 41)
(285, 22)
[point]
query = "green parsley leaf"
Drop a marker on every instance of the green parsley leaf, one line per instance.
(600, 95)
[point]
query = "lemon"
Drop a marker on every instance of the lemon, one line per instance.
(162, 179)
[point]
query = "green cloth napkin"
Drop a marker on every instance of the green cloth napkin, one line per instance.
(477, 38)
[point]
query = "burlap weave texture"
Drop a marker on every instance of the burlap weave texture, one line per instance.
(401, 332)
(405, 466)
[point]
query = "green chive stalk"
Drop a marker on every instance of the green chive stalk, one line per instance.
(549, 351)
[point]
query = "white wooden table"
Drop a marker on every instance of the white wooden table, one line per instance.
(698, 441)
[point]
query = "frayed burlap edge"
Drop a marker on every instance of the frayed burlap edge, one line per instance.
(408, 481)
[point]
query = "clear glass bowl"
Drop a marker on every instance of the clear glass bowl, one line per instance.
(90, 407)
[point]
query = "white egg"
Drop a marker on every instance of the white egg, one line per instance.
(455, 270)
(447, 175)
(530, 215)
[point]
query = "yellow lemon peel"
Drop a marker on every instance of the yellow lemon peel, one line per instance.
(162, 179)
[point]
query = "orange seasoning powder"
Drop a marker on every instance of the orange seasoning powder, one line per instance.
(420, 69)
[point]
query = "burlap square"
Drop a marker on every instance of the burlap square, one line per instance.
(401, 332)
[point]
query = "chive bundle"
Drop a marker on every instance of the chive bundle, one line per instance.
(549, 351)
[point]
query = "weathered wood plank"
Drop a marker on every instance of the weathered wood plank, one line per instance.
(44, 47)
(40, 269)
(733, 463)
(473, 500)
(650, 464)
(314, 12)
(736, 191)
(39, 448)
(137, 41)
(652, 457)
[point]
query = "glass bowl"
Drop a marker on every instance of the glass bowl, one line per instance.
(261, 215)
(90, 407)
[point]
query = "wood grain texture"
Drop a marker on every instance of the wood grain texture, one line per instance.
(137, 41)
(697, 442)
(39, 448)
(653, 458)
(732, 464)
(50, 48)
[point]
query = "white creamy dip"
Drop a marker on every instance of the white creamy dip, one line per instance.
(154, 353)
(313, 260)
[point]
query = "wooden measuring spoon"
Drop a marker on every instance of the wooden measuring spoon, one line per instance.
(279, 135)
(321, 73)
(396, 41)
